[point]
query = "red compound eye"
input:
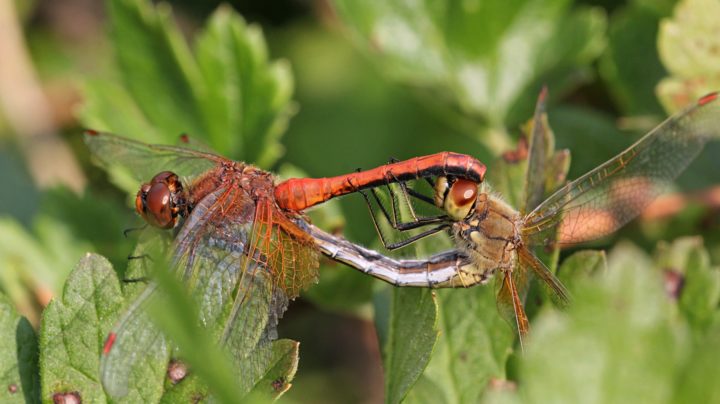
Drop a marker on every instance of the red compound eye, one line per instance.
(463, 192)
(158, 201)
(460, 198)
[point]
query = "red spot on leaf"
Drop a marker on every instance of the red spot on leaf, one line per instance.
(109, 343)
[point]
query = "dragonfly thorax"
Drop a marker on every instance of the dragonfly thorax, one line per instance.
(490, 235)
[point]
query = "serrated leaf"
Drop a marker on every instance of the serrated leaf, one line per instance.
(688, 45)
(478, 56)
(19, 379)
(74, 329)
(227, 94)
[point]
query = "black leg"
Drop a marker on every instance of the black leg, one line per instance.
(130, 230)
(443, 220)
(403, 243)
(143, 279)
(139, 257)
(394, 220)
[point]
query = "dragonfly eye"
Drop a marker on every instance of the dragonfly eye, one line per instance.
(460, 198)
(156, 201)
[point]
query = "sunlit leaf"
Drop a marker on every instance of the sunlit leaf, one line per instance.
(74, 328)
(479, 57)
(614, 342)
(690, 50)
(225, 92)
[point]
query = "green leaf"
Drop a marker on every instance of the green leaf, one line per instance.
(280, 372)
(696, 381)
(581, 266)
(18, 357)
(228, 94)
(473, 347)
(630, 65)
(74, 329)
(688, 45)
(479, 57)
(412, 333)
(686, 261)
(618, 340)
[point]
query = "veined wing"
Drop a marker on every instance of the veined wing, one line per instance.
(607, 197)
(242, 267)
(227, 269)
(136, 353)
(143, 161)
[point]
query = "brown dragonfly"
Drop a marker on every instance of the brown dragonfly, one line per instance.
(493, 237)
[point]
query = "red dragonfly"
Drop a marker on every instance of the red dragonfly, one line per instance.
(242, 253)
(491, 236)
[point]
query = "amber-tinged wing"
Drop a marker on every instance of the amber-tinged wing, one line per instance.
(528, 260)
(224, 256)
(509, 301)
(607, 197)
(143, 161)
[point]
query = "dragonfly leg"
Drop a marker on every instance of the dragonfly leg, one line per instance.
(132, 229)
(142, 279)
(139, 257)
(442, 219)
(410, 240)
(395, 220)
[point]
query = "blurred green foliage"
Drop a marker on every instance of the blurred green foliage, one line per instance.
(362, 83)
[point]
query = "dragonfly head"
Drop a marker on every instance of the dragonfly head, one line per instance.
(161, 200)
(456, 196)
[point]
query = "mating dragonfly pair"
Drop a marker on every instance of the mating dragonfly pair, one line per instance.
(244, 247)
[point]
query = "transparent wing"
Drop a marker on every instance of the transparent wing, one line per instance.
(135, 354)
(607, 197)
(143, 161)
(242, 266)
(511, 288)
(237, 260)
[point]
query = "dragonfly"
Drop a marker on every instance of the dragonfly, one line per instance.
(239, 244)
(491, 237)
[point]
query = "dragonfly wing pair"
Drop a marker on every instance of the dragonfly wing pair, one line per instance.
(239, 256)
(606, 198)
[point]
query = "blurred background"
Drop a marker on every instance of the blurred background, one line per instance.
(334, 86)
